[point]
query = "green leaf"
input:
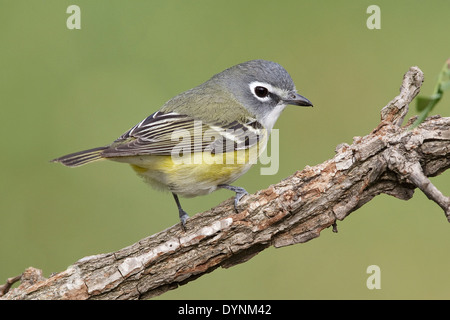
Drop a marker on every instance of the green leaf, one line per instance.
(422, 102)
(445, 85)
(425, 105)
(437, 95)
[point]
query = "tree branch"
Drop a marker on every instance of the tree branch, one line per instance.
(391, 159)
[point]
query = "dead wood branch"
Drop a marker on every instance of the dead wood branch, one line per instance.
(391, 159)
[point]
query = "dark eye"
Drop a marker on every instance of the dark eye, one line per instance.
(261, 92)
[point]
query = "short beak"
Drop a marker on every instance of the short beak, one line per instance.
(298, 100)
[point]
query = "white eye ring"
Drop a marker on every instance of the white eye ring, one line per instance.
(256, 84)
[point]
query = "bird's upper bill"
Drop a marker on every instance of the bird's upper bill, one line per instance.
(298, 100)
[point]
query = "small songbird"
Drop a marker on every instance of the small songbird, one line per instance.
(207, 137)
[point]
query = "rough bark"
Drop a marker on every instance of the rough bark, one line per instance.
(391, 159)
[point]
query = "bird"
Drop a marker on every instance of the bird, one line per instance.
(205, 138)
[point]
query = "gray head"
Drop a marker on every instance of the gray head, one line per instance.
(264, 87)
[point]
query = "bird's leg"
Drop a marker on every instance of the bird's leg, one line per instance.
(181, 213)
(240, 192)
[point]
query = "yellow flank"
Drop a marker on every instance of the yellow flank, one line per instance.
(139, 170)
(194, 174)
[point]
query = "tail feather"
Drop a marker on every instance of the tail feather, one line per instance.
(81, 157)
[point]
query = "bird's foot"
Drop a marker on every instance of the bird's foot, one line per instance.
(240, 192)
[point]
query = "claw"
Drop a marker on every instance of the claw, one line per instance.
(240, 192)
(183, 218)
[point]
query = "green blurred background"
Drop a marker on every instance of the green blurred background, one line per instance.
(65, 90)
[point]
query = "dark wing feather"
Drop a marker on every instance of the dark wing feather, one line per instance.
(160, 133)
